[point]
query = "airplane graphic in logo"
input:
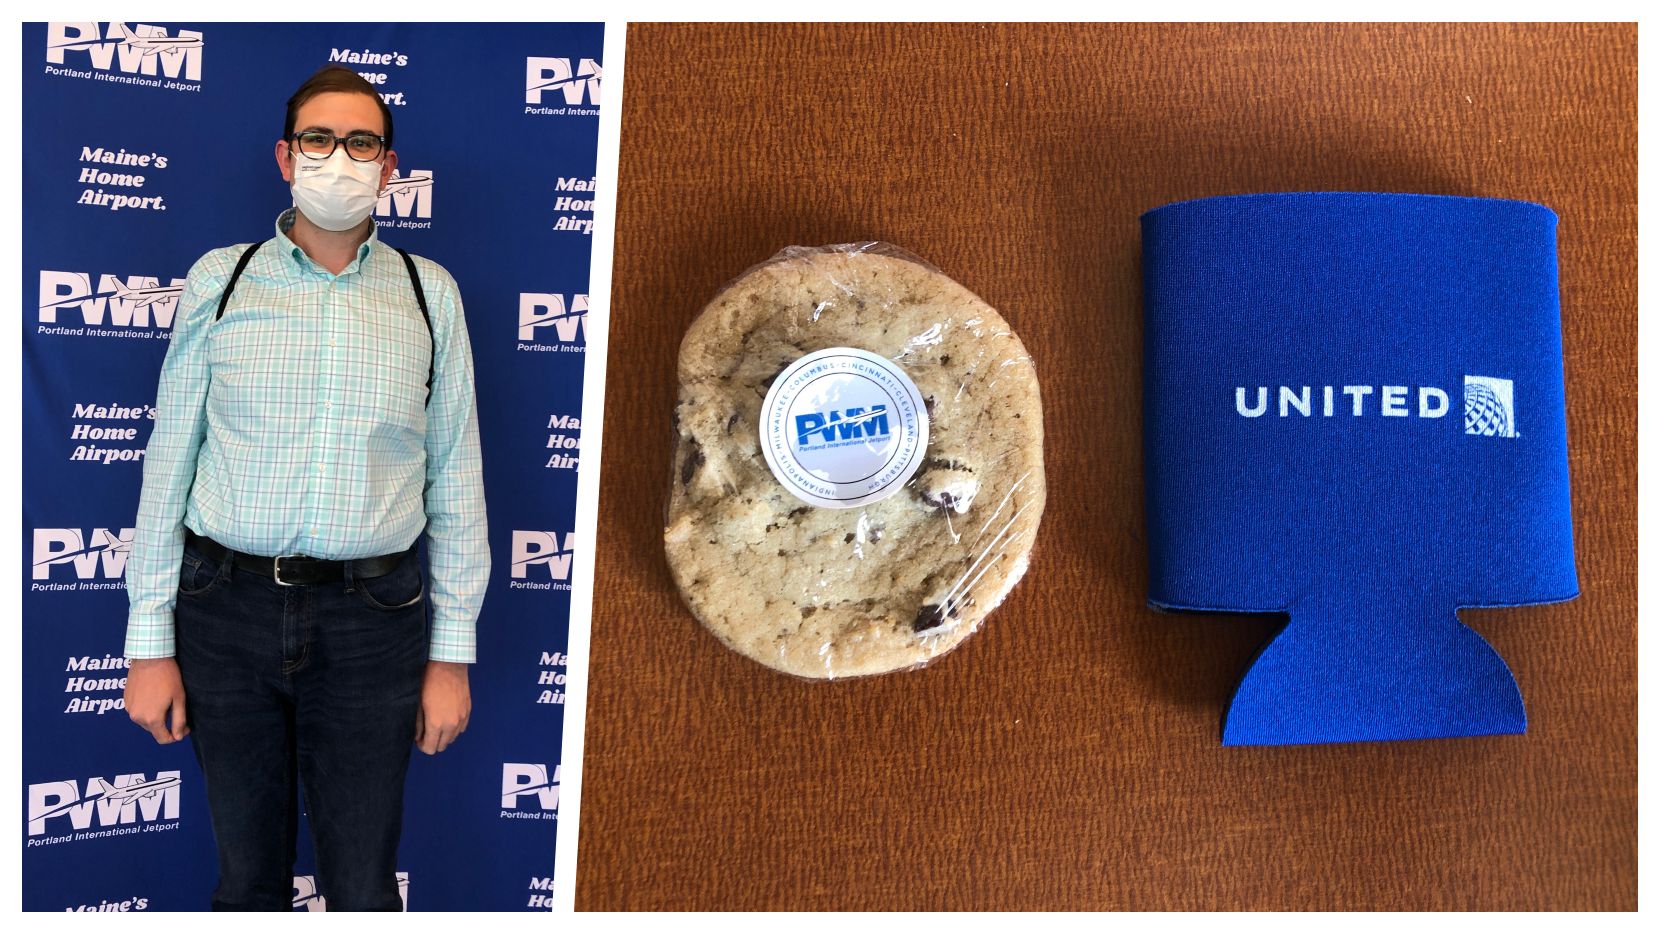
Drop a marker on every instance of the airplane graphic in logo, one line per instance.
(150, 45)
(862, 417)
(139, 298)
(397, 184)
(134, 791)
(98, 789)
(136, 298)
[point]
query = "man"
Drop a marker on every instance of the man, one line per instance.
(315, 413)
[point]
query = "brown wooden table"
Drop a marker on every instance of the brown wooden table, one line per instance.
(1067, 755)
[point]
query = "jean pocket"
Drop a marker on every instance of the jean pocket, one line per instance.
(399, 589)
(197, 574)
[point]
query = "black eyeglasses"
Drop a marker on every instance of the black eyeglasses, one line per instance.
(360, 147)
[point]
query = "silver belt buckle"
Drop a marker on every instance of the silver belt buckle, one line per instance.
(276, 570)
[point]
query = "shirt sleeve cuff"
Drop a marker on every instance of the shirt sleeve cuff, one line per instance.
(452, 641)
(149, 635)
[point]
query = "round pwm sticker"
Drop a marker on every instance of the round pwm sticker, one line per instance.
(842, 427)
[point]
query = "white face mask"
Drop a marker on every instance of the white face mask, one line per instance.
(336, 193)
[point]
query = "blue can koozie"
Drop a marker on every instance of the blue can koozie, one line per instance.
(1355, 417)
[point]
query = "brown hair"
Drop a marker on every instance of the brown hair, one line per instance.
(332, 79)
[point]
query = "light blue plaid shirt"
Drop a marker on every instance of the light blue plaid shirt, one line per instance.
(298, 424)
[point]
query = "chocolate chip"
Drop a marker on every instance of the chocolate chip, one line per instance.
(942, 501)
(732, 421)
(928, 403)
(693, 461)
(931, 617)
(945, 360)
(848, 540)
(798, 511)
(767, 383)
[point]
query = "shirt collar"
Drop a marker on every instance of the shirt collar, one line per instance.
(285, 223)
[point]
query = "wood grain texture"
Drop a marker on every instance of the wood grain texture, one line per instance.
(1067, 755)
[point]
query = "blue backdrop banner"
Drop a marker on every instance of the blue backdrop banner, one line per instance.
(148, 144)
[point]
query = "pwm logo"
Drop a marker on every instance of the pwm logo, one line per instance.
(544, 550)
(816, 430)
(544, 315)
(545, 75)
(131, 302)
(123, 800)
(407, 196)
(1489, 406)
(308, 898)
(524, 779)
(842, 427)
(139, 49)
(103, 554)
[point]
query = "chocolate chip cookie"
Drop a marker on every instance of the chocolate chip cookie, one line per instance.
(826, 592)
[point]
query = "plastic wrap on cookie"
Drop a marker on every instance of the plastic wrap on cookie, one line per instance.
(858, 464)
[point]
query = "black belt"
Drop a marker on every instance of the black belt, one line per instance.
(290, 570)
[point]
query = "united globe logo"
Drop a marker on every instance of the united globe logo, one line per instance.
(1489, 407)
(843, 427)
(1484, 414)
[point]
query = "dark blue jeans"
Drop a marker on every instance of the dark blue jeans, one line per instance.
(318, 682)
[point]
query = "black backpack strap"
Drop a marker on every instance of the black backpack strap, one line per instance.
(421, 299)
(241, 264)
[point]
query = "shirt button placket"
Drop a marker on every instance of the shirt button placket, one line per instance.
(324, 436)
